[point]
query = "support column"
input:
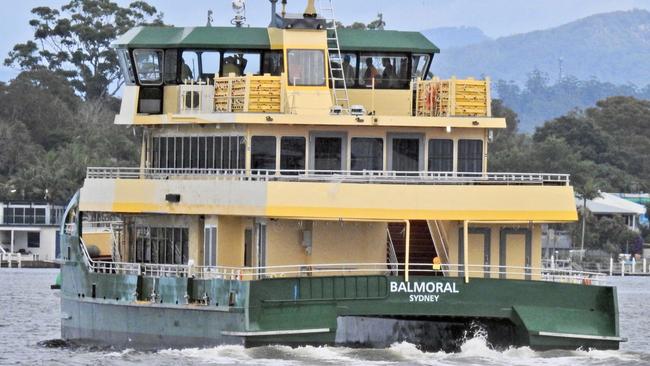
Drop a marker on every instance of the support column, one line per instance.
(12, 242)
(407, 243)
(466, 250)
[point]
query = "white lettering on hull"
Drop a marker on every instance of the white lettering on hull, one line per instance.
(424, 291)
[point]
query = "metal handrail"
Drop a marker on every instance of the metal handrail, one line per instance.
(392, 256)
(350, 176)
(106, 266)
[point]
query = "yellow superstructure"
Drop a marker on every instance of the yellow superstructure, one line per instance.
(262, 168)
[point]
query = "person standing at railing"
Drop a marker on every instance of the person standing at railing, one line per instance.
(436, 266)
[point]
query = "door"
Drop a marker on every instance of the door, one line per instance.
(210, 251)
(479, 248)
(515, 253)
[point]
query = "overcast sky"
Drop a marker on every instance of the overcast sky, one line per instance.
(496, 18)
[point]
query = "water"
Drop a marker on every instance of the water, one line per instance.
(29, 315)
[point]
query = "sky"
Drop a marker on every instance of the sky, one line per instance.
(497, 18)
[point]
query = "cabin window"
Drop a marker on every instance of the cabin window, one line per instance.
(405, 153)
(292, 153)
(165, 245)
(149, 65)
(441, 155)
(389, 71)
(210, 62)
(470, 155)
(263, 152)
(366, 153)
(327, 153)
(125, 66)
(306, 67)
(348, 65)
(420, 66)
(241, 63)
(171, 66)
(272, 63)
(202, 152)
(190, 66)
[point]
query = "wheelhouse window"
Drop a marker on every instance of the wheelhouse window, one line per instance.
(210, 64)
(241, 63)
(263, 152)
(389, 71)
(405, 154)
(366, 153)
(201, 152)
(420, 66)
(272, 63)
(292, 153)
(441, 155)
(306, 67)
(149, 65)
(470, 155)
(125, 66)
(200, 65)
(328, 153)
(348, 66)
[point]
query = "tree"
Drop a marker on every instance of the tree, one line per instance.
(74, 41)
(377, 24)
(587, 192)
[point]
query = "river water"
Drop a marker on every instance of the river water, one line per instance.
(29, 315)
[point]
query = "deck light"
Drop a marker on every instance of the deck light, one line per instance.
(448, 129)
(474, 123)
(269, 119)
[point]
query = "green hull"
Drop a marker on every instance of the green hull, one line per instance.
(369, 311)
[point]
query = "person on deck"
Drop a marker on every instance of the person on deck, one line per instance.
(370, 74)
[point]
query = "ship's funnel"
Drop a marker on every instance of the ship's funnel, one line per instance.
(310, 10)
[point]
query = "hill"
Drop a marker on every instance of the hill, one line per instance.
(447, 37)
(611, 47)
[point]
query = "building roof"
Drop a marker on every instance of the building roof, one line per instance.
(609, 203)
(258, 39)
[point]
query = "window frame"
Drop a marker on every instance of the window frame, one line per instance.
(429, 158)
(162, 66)
(275, 153)
(325, 66)
(399, 135)
(327, 134)
(461, 159)
(381, 157)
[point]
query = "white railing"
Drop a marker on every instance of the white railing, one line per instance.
(392, 256)
(107, 266)
(365, 176)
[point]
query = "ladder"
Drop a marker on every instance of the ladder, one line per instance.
(337, 76)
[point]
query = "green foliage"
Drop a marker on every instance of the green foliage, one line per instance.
(49, 135)
(606, 233)
(602, 147)
(377, 24)
(74, 41)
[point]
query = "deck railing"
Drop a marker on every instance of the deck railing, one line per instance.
(336, 269)
(346, 176)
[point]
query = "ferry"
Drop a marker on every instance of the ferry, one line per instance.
(303, 184)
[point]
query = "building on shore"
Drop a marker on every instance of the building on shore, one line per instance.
(611, 204)
(31, 229)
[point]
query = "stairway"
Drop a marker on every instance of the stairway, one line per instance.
(421, 250)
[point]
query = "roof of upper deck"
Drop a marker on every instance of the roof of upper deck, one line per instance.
(258, 38)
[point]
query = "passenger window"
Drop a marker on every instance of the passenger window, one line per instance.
(263, 153)
(190, 66)
(292, 154)
(272, 63)
(210, 61)
(306, 67)
(441, 155)
(328, 153)
(405, 154)
(388, 71)
(240, 63)
(420, 63)
(148, 64)
(348, 66)
(366, 153)
(470, 155)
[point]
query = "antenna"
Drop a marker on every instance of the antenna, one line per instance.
(239, 7)
(209, 19)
